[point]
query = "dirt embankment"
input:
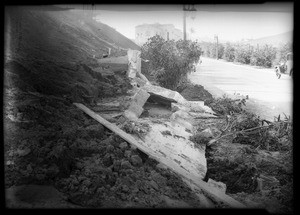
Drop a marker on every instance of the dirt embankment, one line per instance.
(49, 64)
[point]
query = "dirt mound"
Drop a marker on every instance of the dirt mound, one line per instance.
(55, 52)
(49, 65)
(195, 93)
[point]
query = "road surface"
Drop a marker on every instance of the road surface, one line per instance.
(268, 96)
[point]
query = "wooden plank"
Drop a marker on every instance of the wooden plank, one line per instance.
(211, 192)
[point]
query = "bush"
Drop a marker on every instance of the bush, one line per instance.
(243, 54)
(226, 105)
(282, 52)
(170, 61)
(229, 52)
(264, 57)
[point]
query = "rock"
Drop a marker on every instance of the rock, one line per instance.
(29, 168)
(183, 118)
(206, 133)
(95, 131)
(116, 165)
(266, 182)
(127, 153)
(136, 160)
(218, 185)
(110, 148)
(86, 182)
(161, 181)
(154, 185)
(123, 145)
(176, 107)
(161, 166)
(164, 93)
(126, 165)
(135, 108)
(10, 163)
(107, 161)
(133, 112)
(125, 189)
(23, 152)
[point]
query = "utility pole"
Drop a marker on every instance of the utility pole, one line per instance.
(188, 8)
(217, 44)
(184, 23)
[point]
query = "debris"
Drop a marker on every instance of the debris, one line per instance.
(218, 185)
(183, 118)
(266, 182)
(206, 133)
(95, 131)
(136, 106)
(136, 160)
(23, 152)
(164, 93)
(123, 145)
(8, 163)
(126, 165)
(217, 196)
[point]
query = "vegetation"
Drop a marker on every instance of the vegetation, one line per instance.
(169, 61)
(266, 56)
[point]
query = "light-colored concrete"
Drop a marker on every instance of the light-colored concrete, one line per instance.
(268, 95)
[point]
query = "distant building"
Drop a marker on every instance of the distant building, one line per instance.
(166, 31)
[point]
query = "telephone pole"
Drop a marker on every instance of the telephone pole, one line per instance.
(217, 44)
(185, 9)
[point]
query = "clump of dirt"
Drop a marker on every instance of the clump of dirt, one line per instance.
(194, 92)
(118, 176)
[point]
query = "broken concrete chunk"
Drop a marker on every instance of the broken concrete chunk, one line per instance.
(218, 185)
(140, 97)
(133, 112)
(23, 152)
(183, 118)
(176, 107)
(198, 106)
(266, 182)
(134, 64)
(206, 133)
(165, 93)
(136, 106)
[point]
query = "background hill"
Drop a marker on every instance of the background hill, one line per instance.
(275, 40)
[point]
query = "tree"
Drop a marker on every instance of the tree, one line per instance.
(170, 61)
(282, 52)
(229, 52)
(264, 57)
(243, 54)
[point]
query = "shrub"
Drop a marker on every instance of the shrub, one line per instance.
(229, 52)
(264, 57)
(282, 52)
(170, 61)
(243, 54)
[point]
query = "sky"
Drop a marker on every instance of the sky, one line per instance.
(229, 26)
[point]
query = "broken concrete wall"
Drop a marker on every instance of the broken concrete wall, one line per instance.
(136, 106)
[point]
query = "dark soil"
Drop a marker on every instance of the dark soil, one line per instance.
(194, 92)
(48, 141)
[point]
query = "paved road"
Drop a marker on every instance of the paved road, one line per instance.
(268, 95)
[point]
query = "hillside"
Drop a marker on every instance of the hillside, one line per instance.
(275, 40)
(53, 48)
(55, 155)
